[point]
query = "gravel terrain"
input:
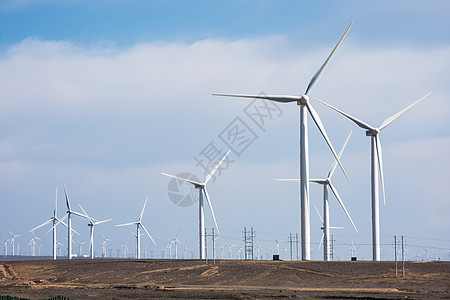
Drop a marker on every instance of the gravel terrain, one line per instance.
(227, 279)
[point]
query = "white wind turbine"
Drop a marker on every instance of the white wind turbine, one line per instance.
(138, 231)
(68, 215)
(201, 186)
(52, 220)
(6, 246)
(105, 246)
(376, 163)
(13, 238)
(326, 182)
(92, 223)
(305, 106)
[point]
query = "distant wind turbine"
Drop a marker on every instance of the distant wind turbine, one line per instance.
(376, 161)
(138, 231)
(305, 107)
(92, 223)
(13, 238)
(201, 186)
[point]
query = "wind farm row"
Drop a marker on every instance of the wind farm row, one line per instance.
(305, 108)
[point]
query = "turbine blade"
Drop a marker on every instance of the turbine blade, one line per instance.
(335, 192)
(79, 214)
(43, 224)
(318, 74)
(320, 217)
(76, 232)
(183, 179)
(321, 241)
(380, 163)
(100, 222)
(293, 180)
(67, 197)
(55, 210)
(318, 180)
(394, 117)
(276, 98)
(358, 122)
(333, 166)
(85, 213)
(215, 169)
(143, 208)
(146, 231)
(316, 118)
(333, 227)
(127, 224)
(210, 206)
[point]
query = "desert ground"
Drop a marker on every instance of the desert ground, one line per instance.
(226, 279)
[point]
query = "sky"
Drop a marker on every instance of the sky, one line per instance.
(108, 94)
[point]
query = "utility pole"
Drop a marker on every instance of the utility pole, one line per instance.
(395, 254)
(206, 246)
(296, 241)
(332, 247)
(291, 241)
(403, 258)
(248, 243)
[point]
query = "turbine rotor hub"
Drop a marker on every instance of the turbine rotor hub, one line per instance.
(303, 100)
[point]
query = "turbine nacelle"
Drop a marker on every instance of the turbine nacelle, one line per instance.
(373, 132)
(303, 100)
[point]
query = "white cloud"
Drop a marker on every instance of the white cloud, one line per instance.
(109, 120)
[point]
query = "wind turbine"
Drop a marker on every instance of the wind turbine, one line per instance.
(105, 246)
(33, 243)
(81, 247)
(52, 220)
(305, 107)
(175, 241)
(68, 215)
(326, 182)
(6, 246)
(92, 223)
(376, 163)
(201, 186)
(138, 231)
(13, 237)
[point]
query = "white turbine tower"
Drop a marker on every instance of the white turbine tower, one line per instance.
(68, 215)
(305, 107)
(52, 220)
(138, 231)
(326, 182)
(201, 186)
(92, 223)
(376, 163)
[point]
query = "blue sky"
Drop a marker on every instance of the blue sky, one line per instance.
(109, 94)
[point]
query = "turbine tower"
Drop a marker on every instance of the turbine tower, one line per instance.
(305, 107)
(376, 164)
(138, 231)
(92, 223)
(201, 186)
(326, 182)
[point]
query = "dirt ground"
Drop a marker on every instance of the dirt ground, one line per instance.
(227, 279)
